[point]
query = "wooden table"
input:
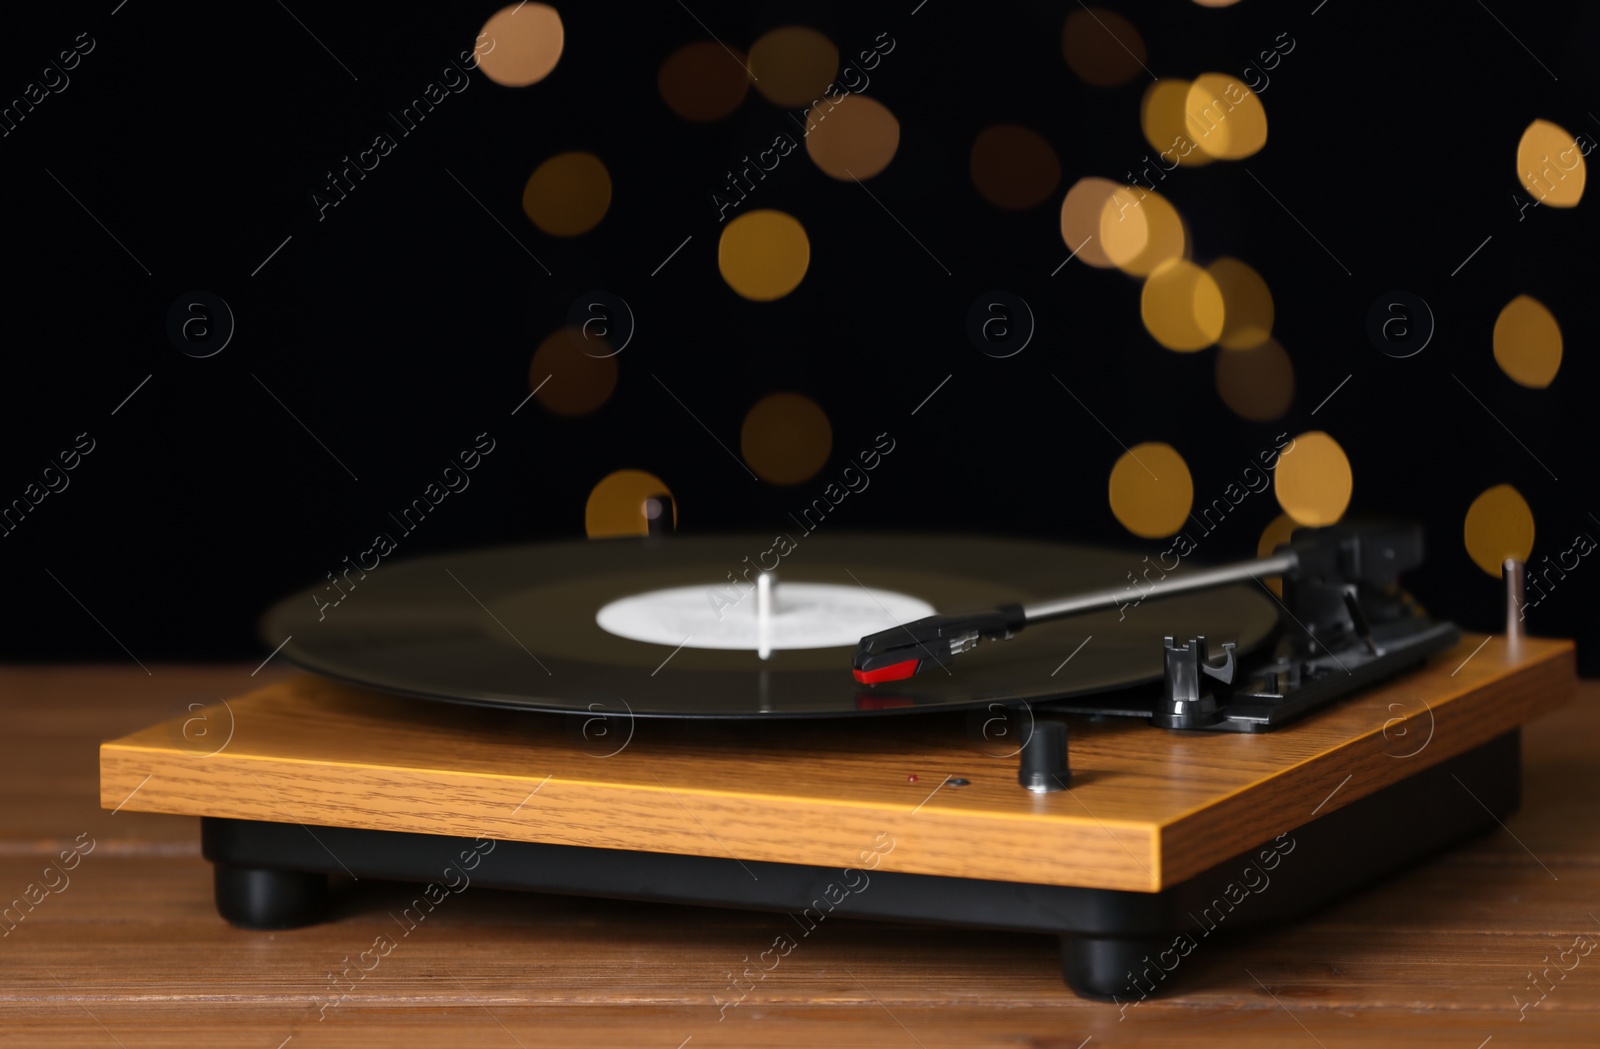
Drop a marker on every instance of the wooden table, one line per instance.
(126, 948)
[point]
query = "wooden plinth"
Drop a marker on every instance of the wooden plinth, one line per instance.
(1147, 809)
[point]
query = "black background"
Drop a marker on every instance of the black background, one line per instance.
(402, 324)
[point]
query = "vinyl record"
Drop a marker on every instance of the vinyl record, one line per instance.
(671, 627)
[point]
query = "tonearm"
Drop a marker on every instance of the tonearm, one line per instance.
(1348, 623)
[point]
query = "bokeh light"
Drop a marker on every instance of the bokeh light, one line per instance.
(792, 65)
(1550, 165)
(1527, 342)
(1258, 383)
(616, 505)
(856, 139)
(1164, 117)
(568, 194)
(1279, 531)
(702, 81)
(1151, 491)
(1141, 231)
(1085, 203)
(1313, 480)
(1224, 118)
(1247, 304)
(524, 44)
(1182, 306)
(567, 380)
(1014, 168)
(763, 255)
(1102, 47)
(1499, 525)
(786, 438)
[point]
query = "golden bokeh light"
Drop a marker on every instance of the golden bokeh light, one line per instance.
(1141, 231)
(568, 194)
(1550, 165)
(1313, 480)
(1151, 491)
(1280, 531)
(1081, 212)
(1182, 306)
(524, 43)
(1163, 115)
(1102, 47)
(1499, 525)
(792, 65)
(855, 139)
(1527, 342)
(702, 81)
(786, 438)
(763, 255)
(1014, 168)
(1258, 383)
(616, 505)
(567, 380)
(1247, 303)
(1224, 118)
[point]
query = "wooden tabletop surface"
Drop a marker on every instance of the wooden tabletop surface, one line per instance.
(1474, 949)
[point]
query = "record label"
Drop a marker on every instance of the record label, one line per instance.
(801, 615)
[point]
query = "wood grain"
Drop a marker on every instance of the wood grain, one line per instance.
(520, 948)
(1147, 809)
(132, 952)
(1257, 1024)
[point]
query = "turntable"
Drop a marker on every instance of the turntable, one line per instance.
(1004, 734)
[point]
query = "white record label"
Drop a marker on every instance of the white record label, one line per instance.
(803, 615)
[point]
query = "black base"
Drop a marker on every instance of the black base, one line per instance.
(1114, 943)
(259, 898)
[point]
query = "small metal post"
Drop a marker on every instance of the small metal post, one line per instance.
(658, 515)
(1512, 572)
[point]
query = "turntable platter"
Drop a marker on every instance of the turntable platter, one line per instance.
(669, 627)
